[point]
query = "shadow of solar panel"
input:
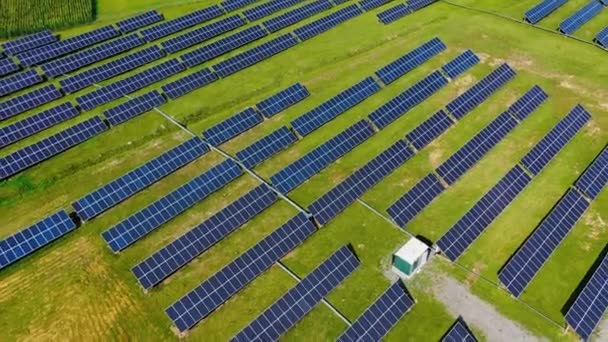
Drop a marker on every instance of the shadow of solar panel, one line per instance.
(316, 160)
(478, 93)
(555, 140)
(27, 101)
(166, 261)
(255, 55)
(233, 126)
(49, 147)
(381, 316)
(139, 21)
(211, 293)
(459, 332)
(416, 199)
(231, 5)
(460, 64)
(300, 299)
(2, 55)
(595, 177)
(399, 105)
(36, 123)
(408, 62)
(28, 42)
(282, 100)
(328, 206)
(532, 255)
(154, 215)
(392, 14)
(601, 38)
(8, 66)
(134, 107)
(319, 26)
(266, 147)
(268, 8)
(296, 15)
(222, 46)
(111, 69)
(28, 240)
(528, 103)
(19, 81)
(430, 129)
(171, 26)
(543, 9)
(369, 5)
(188, 83)
(202, 34)
(580, 17)
(418, 4)
(330, 109)
(470, 226)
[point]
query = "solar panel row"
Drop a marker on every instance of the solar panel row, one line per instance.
(416, 199)
(139, 21)
(231, 5)
(282, 100)
(298, 14)
(8, 66)
(19, 81)
(268, 8)
(543, 9)
(580, 17)
(429, 129)
(27, 101)
(459, 332)
(233, 126)
(321, 25)
(266, 147)
(171, 26)
(369, 5)
(601, 38)
(460, 64)
(418, 4)
(134, 107)
(595, 177)
(29, 42)
(526, 104)
(188, 83)
(393, 14)
(202, 34)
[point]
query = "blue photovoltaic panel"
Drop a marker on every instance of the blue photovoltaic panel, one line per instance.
(255, 55)
(266, 147)
(412, 203)
(154, 215)
(319, 26)
(328, 110)
(369, 5)
(399, 105)
(392, 14)
(111, 69)
(8, 66)
(300, 299)
(470, 226)
(216, 290)
(268, 8)
(134, 181)
(27, 101)
(139, 21)
(601, 38)
(166, 261)
(344, 194)
(591, 303)
(430, 129)
(316, 160)
(460, 64)
(2, 55)
(134, 107)
(282, 100)
(49, 147)
(459, 332)
(532, 255)
(171, 26)
(231, 127)
(531, 100)
(19, 81)
(231, 5)
(381, 316)
(595, 177)
(469, 154)
(478, 93)
(28, 42)
(38, 235)
(36, 123)
(418, 4)
(543, 9)
(410, 61)
(188, 83)
(298, 14)
(580, 17)
(222, 46)
(202, 34)
(556, 139)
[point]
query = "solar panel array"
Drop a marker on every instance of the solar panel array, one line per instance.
(299, 300)
(8, 66)
(48, 147)
(601, 38)
(460, 64)
(394, 13)
(166, 261)
(316, 160)
(282, 100)
(231, 5)
(410, 61)
(543, 9)
(19, 81)
(171, 26)
(131, 229)
(29, 42)
(321, 25)
(418, 4)
(188, 83)
(139, 21)
(459, 332)
(416, 199)
(202, 34)
(233, 126)
(429, 129)
(266, 147)
(210, 294)
(293, 16)
(595, 177)
(134, 107)
(268, 8)
(580, 17)
(369, 5)
(526, 104)
(30, 239)
(27, 101)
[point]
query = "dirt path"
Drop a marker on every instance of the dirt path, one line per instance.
(601, 332)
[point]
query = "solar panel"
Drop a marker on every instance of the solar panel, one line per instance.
(8, 66)
(531, 256)
(231, 127)
(27, 101)
(216, 290)
(459, 332)
(130, 84)
(470, 226)
(580, 17)
(36, 123)
(601, 38)
(231, 5)
(416, 199)
(408, 62)
(319, 26)
(111, 69)
(328, 206)
(19, 81)
(222, 46)
(89, 56)
(556, 139)
(171, 26)
(282, 100)
(166, 261)
(392, 14)
(268, 8)
(330, 109)
(255, 55)
(131, 229)
(300, 299)
(188, 83)
(49, 147)
(381, 316)
(531, 100)
(134, 107)
(543, 9)
(28, 42)
(127, 185)
(30, 239)
(595, 177)
(139, 21)
(266, 147)
(460, 64)
(316, 160)
(429, 129)
(591, 303)
(298, 14)
(478, 93)
(369, 5)
(418, 4)
(202, 34)
(399, 105)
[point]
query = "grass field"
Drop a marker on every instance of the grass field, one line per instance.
(76, 289)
